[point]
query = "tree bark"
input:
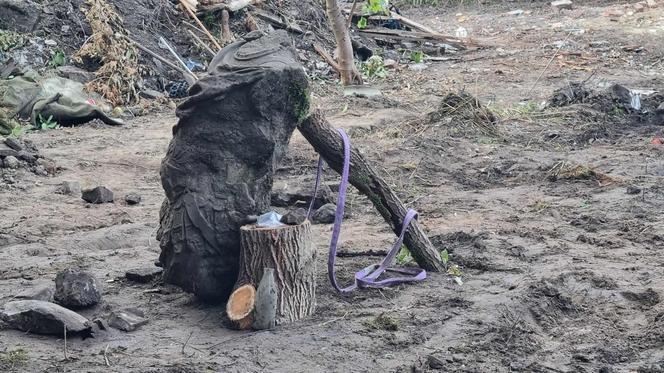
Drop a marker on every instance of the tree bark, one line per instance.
(327, 142)
(349, 73)
(290, 252)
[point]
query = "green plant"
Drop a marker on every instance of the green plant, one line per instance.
(47, 124)
(417, 56)
(455, 271)
(404, 257)
(58, 59)
(17, 131)
(374, 67)
(444, 256)
(13, 358)
(362, 23)
(376, 6)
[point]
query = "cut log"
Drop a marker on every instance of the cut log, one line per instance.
(327, 142)
(289, 251)
(240, 306)
(278, 21)
(415, 36)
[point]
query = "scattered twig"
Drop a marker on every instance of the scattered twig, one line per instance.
(352, 254)
(65, 348)
(108, 363)
(352, 12)
(188, 76)
(177, 57)
(548, 64)
(200, 24)
(334, 319)
(200, 42)
(327, 58)
(185, 345)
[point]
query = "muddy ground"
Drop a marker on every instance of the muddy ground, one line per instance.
(563, 271)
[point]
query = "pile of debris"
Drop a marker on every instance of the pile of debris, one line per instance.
(618, 102)
(53, 310)
(15, 154)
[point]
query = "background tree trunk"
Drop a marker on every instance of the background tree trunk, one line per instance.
(348, 71)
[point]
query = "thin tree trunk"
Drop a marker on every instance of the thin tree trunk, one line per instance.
(327, 143)
(349, 73)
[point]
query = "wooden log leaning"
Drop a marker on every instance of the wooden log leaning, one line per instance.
(290, 252)
(327, 142)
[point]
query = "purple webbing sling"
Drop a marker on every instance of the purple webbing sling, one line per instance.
(367, 277)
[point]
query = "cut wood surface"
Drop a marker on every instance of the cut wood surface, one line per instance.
(241, 305)
(327, 142)
(290, 252)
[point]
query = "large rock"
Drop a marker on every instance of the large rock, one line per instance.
(143, 275)
(99, 194)
(76, 289)
(41, 317)
(325, 214)
(76, 74)
(287, 195)
(232, 131)
(19, 15)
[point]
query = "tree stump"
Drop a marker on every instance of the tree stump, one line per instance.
(289, 251)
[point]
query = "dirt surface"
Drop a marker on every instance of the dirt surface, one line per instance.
(563, 268)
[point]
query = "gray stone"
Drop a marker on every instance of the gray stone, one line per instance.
(51, 42)
(294, 217)
(6, 151)
(143, 275)
(71, 188)
(76, 289)
(26, 156)
(128, 319)
(265, 309)
(632, 189)
(133, 199)
(151, 94)
(562, 4)
(36, 316)
(289, 195)
(325, 214)
(75, 74)
(11, 162)
(14, 143)
(43, 293)
(99, 194)
(19, 15)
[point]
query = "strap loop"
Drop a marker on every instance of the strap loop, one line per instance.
(367, 277)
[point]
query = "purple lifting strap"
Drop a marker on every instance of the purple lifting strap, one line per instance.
(368, 277)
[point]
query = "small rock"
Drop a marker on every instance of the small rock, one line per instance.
(50, 42)
(294, 217)
(143, 275)
(639, 8)
(64, 29)
(562, 4)
(26, 156)
(36, 316)
(613, 13)
(132, 199)
(435, 363)
(70, 188)
(99, 194)
(6, 151)
(390, 63)
(151, 94)
(418, 67)
(651, 3)
(128, 319)
(76, 74)
(290, 195)
(76, 289)
(325, 214)
(516, 12)
(43, 293)
(14, 143)
(11, 162)
(631, 189)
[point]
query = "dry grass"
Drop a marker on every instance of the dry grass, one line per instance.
(563, 170)
(117, 78)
